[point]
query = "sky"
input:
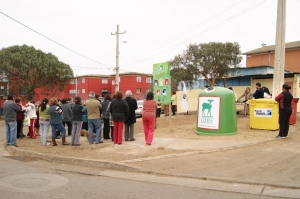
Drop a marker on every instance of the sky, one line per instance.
(79, 32)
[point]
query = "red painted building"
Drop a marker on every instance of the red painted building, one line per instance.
(138, 83)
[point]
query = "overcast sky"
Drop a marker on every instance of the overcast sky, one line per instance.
(156, 30)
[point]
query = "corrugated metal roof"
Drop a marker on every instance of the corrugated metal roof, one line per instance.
(266, 49)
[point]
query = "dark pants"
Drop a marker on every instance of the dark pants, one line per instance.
(106, 129)
(69, 124)
(173, 109)
(158, 110)
(112, 133)
(284, 118)
(19, 127)
(85, 126)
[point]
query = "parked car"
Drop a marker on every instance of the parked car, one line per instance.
(139, 110)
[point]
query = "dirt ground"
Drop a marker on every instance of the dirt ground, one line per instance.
(182, 126)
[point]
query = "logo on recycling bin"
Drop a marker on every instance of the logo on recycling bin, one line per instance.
(209, 112)
(262, 112)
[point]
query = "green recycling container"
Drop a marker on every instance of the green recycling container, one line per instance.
(216, 113)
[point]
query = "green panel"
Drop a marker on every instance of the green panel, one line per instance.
(216, 113)
(162, 82)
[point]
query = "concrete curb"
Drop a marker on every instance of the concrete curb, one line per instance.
(73, 161)
(128, 168)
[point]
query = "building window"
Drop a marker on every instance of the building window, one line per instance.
(72, 81)
(83, 90)
(148, 80)
(139, 79)
(104, 81)
(138, 90)
(83, 80)
(73, 91)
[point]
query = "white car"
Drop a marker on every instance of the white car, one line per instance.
(139, 110)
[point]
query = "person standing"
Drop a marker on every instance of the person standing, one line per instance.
(149, 113)
(67, 113)
(111, 122)
(284, 100)
(105, 116)
(267, 93)
(37, 121)
(259, 93)
(55, 113)
(174, 102)
(93, 107)
(247, 94)
(158, 110)
(77, 113)
(10, 109)
(44, 121)
(235, 96)
(119, 111)
(129, 122)
(84, 121)
(31, 114)
(20, 118)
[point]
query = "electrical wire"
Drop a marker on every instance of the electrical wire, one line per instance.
(54, 41)
(201, 33)
(190, 29)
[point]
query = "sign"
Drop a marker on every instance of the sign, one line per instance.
(161, 82)
(262, 112)
(209, 113)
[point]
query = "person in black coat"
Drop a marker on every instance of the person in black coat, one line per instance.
(119, 111)
(129, 123)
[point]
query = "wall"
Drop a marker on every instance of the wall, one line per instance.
(292, 61)
(129, 82)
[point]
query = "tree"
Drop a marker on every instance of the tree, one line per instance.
(181, 71)
(28, 69)
(209, 60)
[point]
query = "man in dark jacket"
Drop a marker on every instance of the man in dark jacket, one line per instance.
(259, 93)
(10, 109)
(129, 123)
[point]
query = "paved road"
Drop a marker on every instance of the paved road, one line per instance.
(29, 178)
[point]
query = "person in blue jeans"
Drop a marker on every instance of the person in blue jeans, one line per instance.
(93, 107)
(10, 109)
(55, 113)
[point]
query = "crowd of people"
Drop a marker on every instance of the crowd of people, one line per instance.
(81, 118)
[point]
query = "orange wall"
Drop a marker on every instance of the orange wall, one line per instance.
(292, 60)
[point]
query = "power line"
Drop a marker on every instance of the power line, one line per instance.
(205, 21)
(205, 31)
(54, 41)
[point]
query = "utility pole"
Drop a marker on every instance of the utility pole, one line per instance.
(279, 59)
(117, 79)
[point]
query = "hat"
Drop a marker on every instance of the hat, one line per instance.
(91, 94)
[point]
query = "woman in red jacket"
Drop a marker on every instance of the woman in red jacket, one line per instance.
(285, 110)
(149, 113)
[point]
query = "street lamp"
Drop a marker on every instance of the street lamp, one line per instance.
(117, 79)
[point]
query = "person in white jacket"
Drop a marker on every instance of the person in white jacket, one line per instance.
(31, 114)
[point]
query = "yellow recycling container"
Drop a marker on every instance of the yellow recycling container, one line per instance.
(264, 114)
